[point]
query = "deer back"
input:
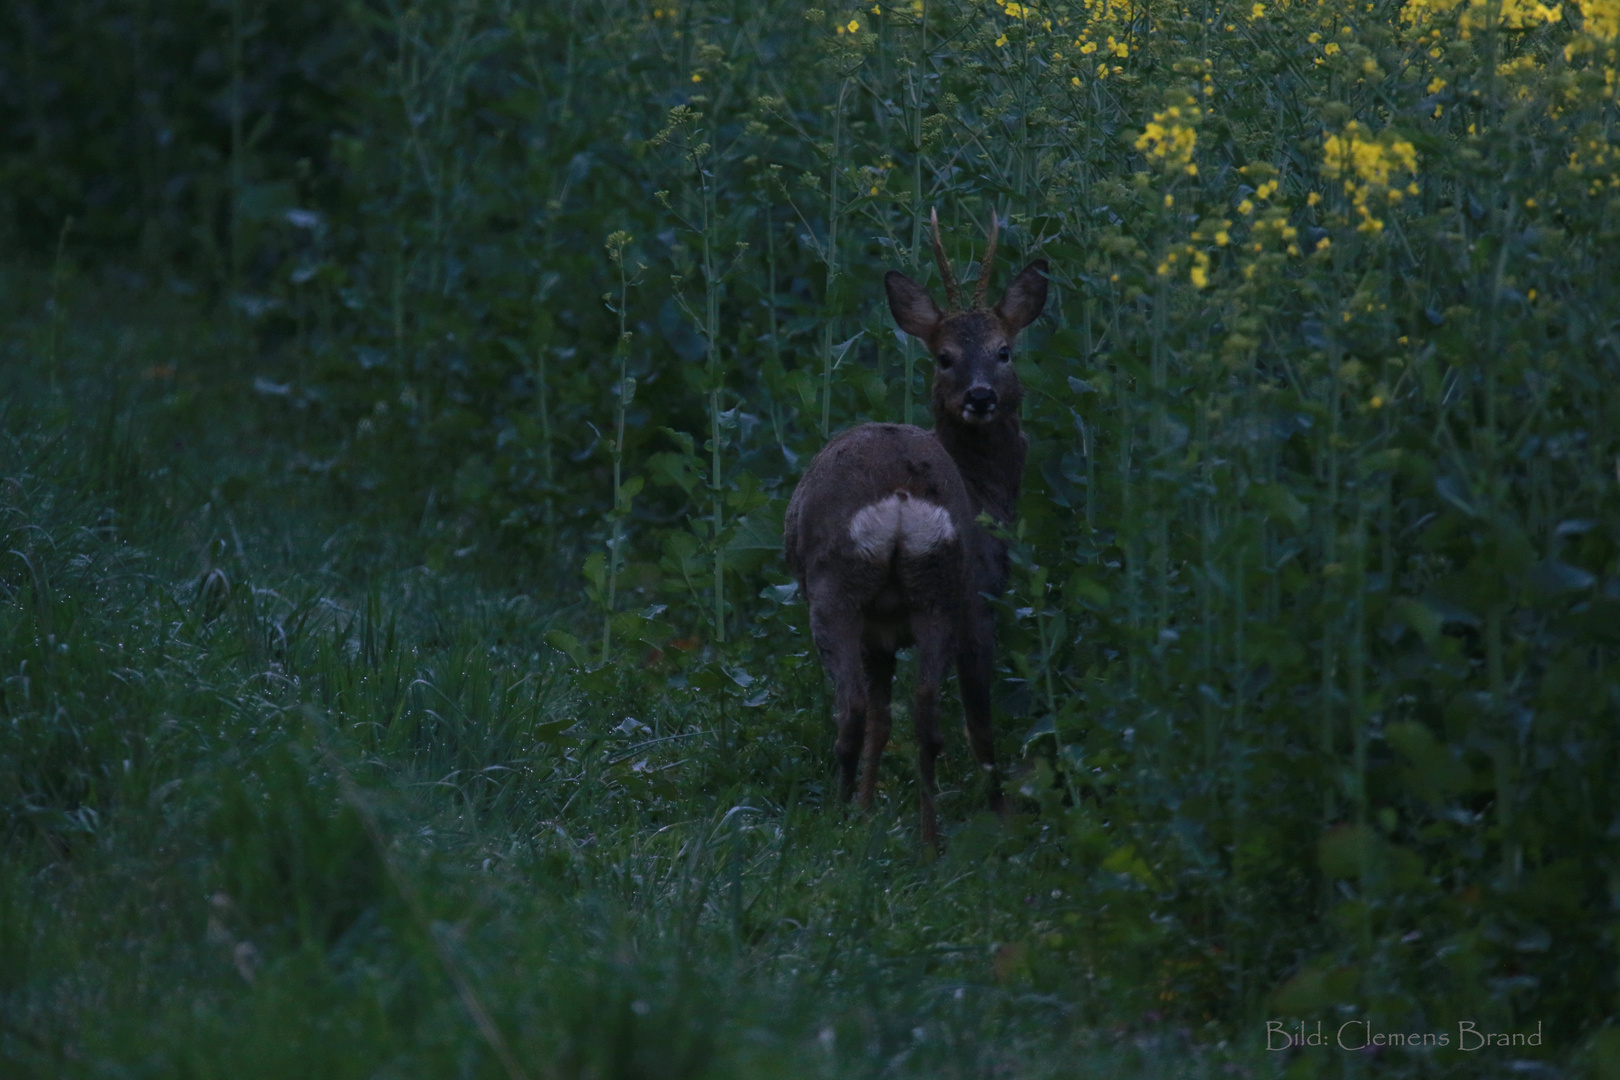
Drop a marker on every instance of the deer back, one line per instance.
(875, 492)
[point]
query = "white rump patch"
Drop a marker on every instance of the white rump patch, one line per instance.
(915, 526)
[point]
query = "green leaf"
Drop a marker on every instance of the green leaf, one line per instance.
(1126, 861)
(806, 384)
(1277, 501)
(629, 490)
(551, 731)
(673, 470)
(1381, 461)
(567, 643)
(1456, 493)
(682, 439)
(595, 570)
(1082, 588)
(759, 531)
(1555, 578)
(1420, 617)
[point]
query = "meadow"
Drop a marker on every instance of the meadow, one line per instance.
(399, 675)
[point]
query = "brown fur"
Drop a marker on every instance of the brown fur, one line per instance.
(932, 598)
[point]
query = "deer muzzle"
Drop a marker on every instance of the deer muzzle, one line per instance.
(978, 404)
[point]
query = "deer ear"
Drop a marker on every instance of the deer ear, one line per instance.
(1025, 297)
(913, 309)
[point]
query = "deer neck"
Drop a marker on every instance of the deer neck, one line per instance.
(991, 460)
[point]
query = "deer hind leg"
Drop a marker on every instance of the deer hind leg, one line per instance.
(975, 668)
(879, 688)
(837, 634)
(935, 637)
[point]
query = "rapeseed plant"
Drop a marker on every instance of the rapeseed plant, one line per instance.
(1370, 168)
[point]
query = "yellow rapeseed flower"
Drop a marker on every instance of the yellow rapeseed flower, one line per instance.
(1169, 138)
(1476, 14)
(1600, 18)
(1199, 273)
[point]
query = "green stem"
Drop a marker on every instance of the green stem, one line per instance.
(831, 258)
(770, 267)
(908, 346)
(621, 505)
(1329, 538)
(237, 151)
(711, 329)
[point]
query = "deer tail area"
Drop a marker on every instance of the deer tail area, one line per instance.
(901, 523)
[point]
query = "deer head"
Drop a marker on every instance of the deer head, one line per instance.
(974, 381)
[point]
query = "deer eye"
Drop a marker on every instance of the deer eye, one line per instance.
(1004, 355)
(944, 361)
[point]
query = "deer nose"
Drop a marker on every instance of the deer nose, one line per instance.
(980, 399)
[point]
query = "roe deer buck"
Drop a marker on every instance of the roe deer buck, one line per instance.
(882, 531)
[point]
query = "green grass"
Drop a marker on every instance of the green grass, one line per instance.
(277, 799)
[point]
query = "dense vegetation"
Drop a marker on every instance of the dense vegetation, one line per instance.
(398, 675)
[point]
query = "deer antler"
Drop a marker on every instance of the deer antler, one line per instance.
(988, 262)
(953, 294)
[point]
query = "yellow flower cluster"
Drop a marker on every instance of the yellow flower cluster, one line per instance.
(1275, 223)
(874, 176)
(1595, 159)
(1196, 261)
(1169, 138)
(1600, 18)
(1370, 166)
(1476, 15)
